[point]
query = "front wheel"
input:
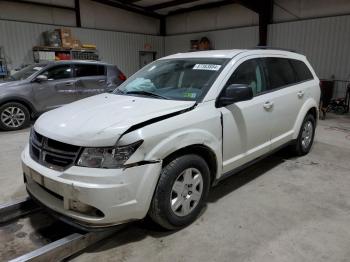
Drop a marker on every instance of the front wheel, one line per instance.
(181, 192)
(14, 116)
(306, 135)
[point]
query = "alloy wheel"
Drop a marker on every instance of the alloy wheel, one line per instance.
(13, 117)
(306, 135)
(186, 192)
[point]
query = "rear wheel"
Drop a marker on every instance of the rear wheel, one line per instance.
(181, 192)
(306, 135)
(14, 116)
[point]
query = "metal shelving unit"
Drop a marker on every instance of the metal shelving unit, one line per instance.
(73, 54)
(3, 63)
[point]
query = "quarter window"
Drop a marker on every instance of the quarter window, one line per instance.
(58, 72)
(82, 70)
(279, 72)
(249, 73)
(302, 71)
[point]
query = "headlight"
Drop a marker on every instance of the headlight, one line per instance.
(107, 157)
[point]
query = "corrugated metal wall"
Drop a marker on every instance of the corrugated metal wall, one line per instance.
(325, 42)
(118, 48)
(222, 39)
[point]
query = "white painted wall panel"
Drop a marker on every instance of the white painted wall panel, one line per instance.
(93, 15)
(99, 16)
(287, 10)
(244, 37)
(36, 14)
(121, 49)
(325, 41)
(211, 19)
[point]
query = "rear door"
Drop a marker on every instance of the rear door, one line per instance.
(58, 90)
(90, 79)
(287, 95)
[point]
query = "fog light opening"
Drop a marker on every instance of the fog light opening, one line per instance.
(80, 207)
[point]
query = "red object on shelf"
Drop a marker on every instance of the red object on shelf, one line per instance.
(63, 56)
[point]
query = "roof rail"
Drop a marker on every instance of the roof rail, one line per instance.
(275, 48)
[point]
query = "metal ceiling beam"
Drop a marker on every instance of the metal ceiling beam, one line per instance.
(77, 13)
(201, 7)
(126, 5)
(40, 4)
(169, 4)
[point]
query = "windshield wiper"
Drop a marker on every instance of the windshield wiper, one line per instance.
(146, 93)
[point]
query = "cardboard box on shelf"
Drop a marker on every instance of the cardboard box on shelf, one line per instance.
(65, 33)
(67, 42)
(76, 44)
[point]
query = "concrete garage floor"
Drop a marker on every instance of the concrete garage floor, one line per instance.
(280, 209)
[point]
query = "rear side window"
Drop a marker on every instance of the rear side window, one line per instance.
(302, 71)
(82, 70)
(279, 72)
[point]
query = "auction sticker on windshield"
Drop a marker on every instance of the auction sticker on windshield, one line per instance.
(206, 67)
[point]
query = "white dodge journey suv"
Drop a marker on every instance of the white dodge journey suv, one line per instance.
(166, 135)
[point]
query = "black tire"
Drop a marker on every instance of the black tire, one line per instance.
(21, 122)
(161, 210)
(299, 148)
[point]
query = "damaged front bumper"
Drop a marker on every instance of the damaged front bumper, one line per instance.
(93, 197)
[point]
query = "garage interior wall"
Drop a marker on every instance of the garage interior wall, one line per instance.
(318, 29)
(324, 40)
(118, 48)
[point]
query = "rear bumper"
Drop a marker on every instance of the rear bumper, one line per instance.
(115, 195)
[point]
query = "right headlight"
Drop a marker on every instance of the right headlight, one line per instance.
(107, 157)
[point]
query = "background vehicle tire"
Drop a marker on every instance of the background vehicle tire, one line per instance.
(14, 116)
(181, 192)
(306, 136)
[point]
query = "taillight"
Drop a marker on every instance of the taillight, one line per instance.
(121, 76)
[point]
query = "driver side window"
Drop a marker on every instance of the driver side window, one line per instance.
(249, 73)
(59, 72)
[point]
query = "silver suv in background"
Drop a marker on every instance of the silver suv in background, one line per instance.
(41, 87)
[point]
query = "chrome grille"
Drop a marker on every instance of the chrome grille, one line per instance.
(51, 153)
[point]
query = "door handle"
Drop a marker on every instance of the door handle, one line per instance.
(69, 84)
(101, 81)
(300, 94)
(268, 105)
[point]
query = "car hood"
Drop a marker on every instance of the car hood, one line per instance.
(100, 120)
(5, 84)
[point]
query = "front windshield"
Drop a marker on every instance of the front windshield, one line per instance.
(27, 72)
(177, 79)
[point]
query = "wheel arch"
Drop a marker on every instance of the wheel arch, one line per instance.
(22, 101)
(309, 107)
(201, 150)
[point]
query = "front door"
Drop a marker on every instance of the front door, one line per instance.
(90, 79)
(246, 124)
(59, 89)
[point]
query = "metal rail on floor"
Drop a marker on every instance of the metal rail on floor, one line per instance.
(64, 247)
(57, 250)
(17, 208)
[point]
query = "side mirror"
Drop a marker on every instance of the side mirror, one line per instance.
(41, 78)
(234, 93)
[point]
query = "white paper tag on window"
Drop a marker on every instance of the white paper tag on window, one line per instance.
(37, 68)
(206, 67)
